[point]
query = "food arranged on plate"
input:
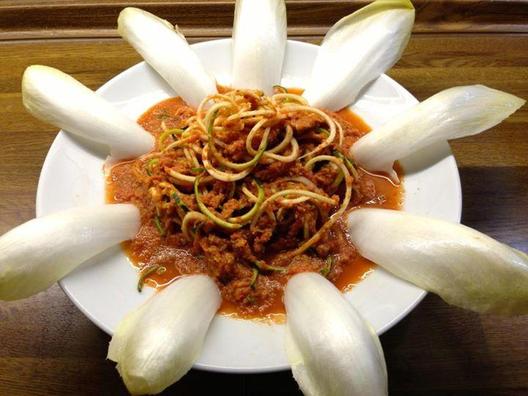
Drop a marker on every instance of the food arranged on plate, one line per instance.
(257, 199)
(249, 189)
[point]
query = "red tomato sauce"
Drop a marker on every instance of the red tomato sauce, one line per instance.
(173, 253)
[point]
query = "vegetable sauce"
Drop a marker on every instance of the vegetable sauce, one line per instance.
(163, 256)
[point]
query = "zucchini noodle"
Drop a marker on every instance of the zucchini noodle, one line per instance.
(249, 215)
(330, 122)
(310, 164)
(220, 175)
(192, 217)
(272, 168)
(304, 193)
(348, 194)
(282, 145)
(181, 177)
(249, 194)
(287, 97)
(341, 133)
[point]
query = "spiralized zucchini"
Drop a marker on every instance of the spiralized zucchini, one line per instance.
(199, 153)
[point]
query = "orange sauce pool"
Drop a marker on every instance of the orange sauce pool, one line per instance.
(388, 196)
(393, 194)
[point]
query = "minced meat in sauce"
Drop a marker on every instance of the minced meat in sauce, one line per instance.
(220, 253)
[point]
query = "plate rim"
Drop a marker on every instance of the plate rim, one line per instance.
(39, 202)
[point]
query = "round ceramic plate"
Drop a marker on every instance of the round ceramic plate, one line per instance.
(104, 288)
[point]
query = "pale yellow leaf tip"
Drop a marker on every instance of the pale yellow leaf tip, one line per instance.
(156, 344)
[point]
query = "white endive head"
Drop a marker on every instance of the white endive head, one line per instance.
(61, 100)
(357, 50)
(36, 254)
(259, 43)
(155, 345)
(450, 114)
(331, 349)
(461, 265)
(165, 48)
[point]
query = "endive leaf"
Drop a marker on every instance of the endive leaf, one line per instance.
(259, 43)
(450, 114)
(36, 254)
(357, 50)
(165, 48)
(61, 100)
(155, 345)
(461, 265)
(331, 349)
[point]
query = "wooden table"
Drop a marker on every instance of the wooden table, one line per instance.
(47, 347)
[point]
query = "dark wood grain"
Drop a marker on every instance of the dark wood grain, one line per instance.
(95, 18)
(47, 347)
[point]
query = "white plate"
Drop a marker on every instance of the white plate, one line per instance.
(104, 289)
